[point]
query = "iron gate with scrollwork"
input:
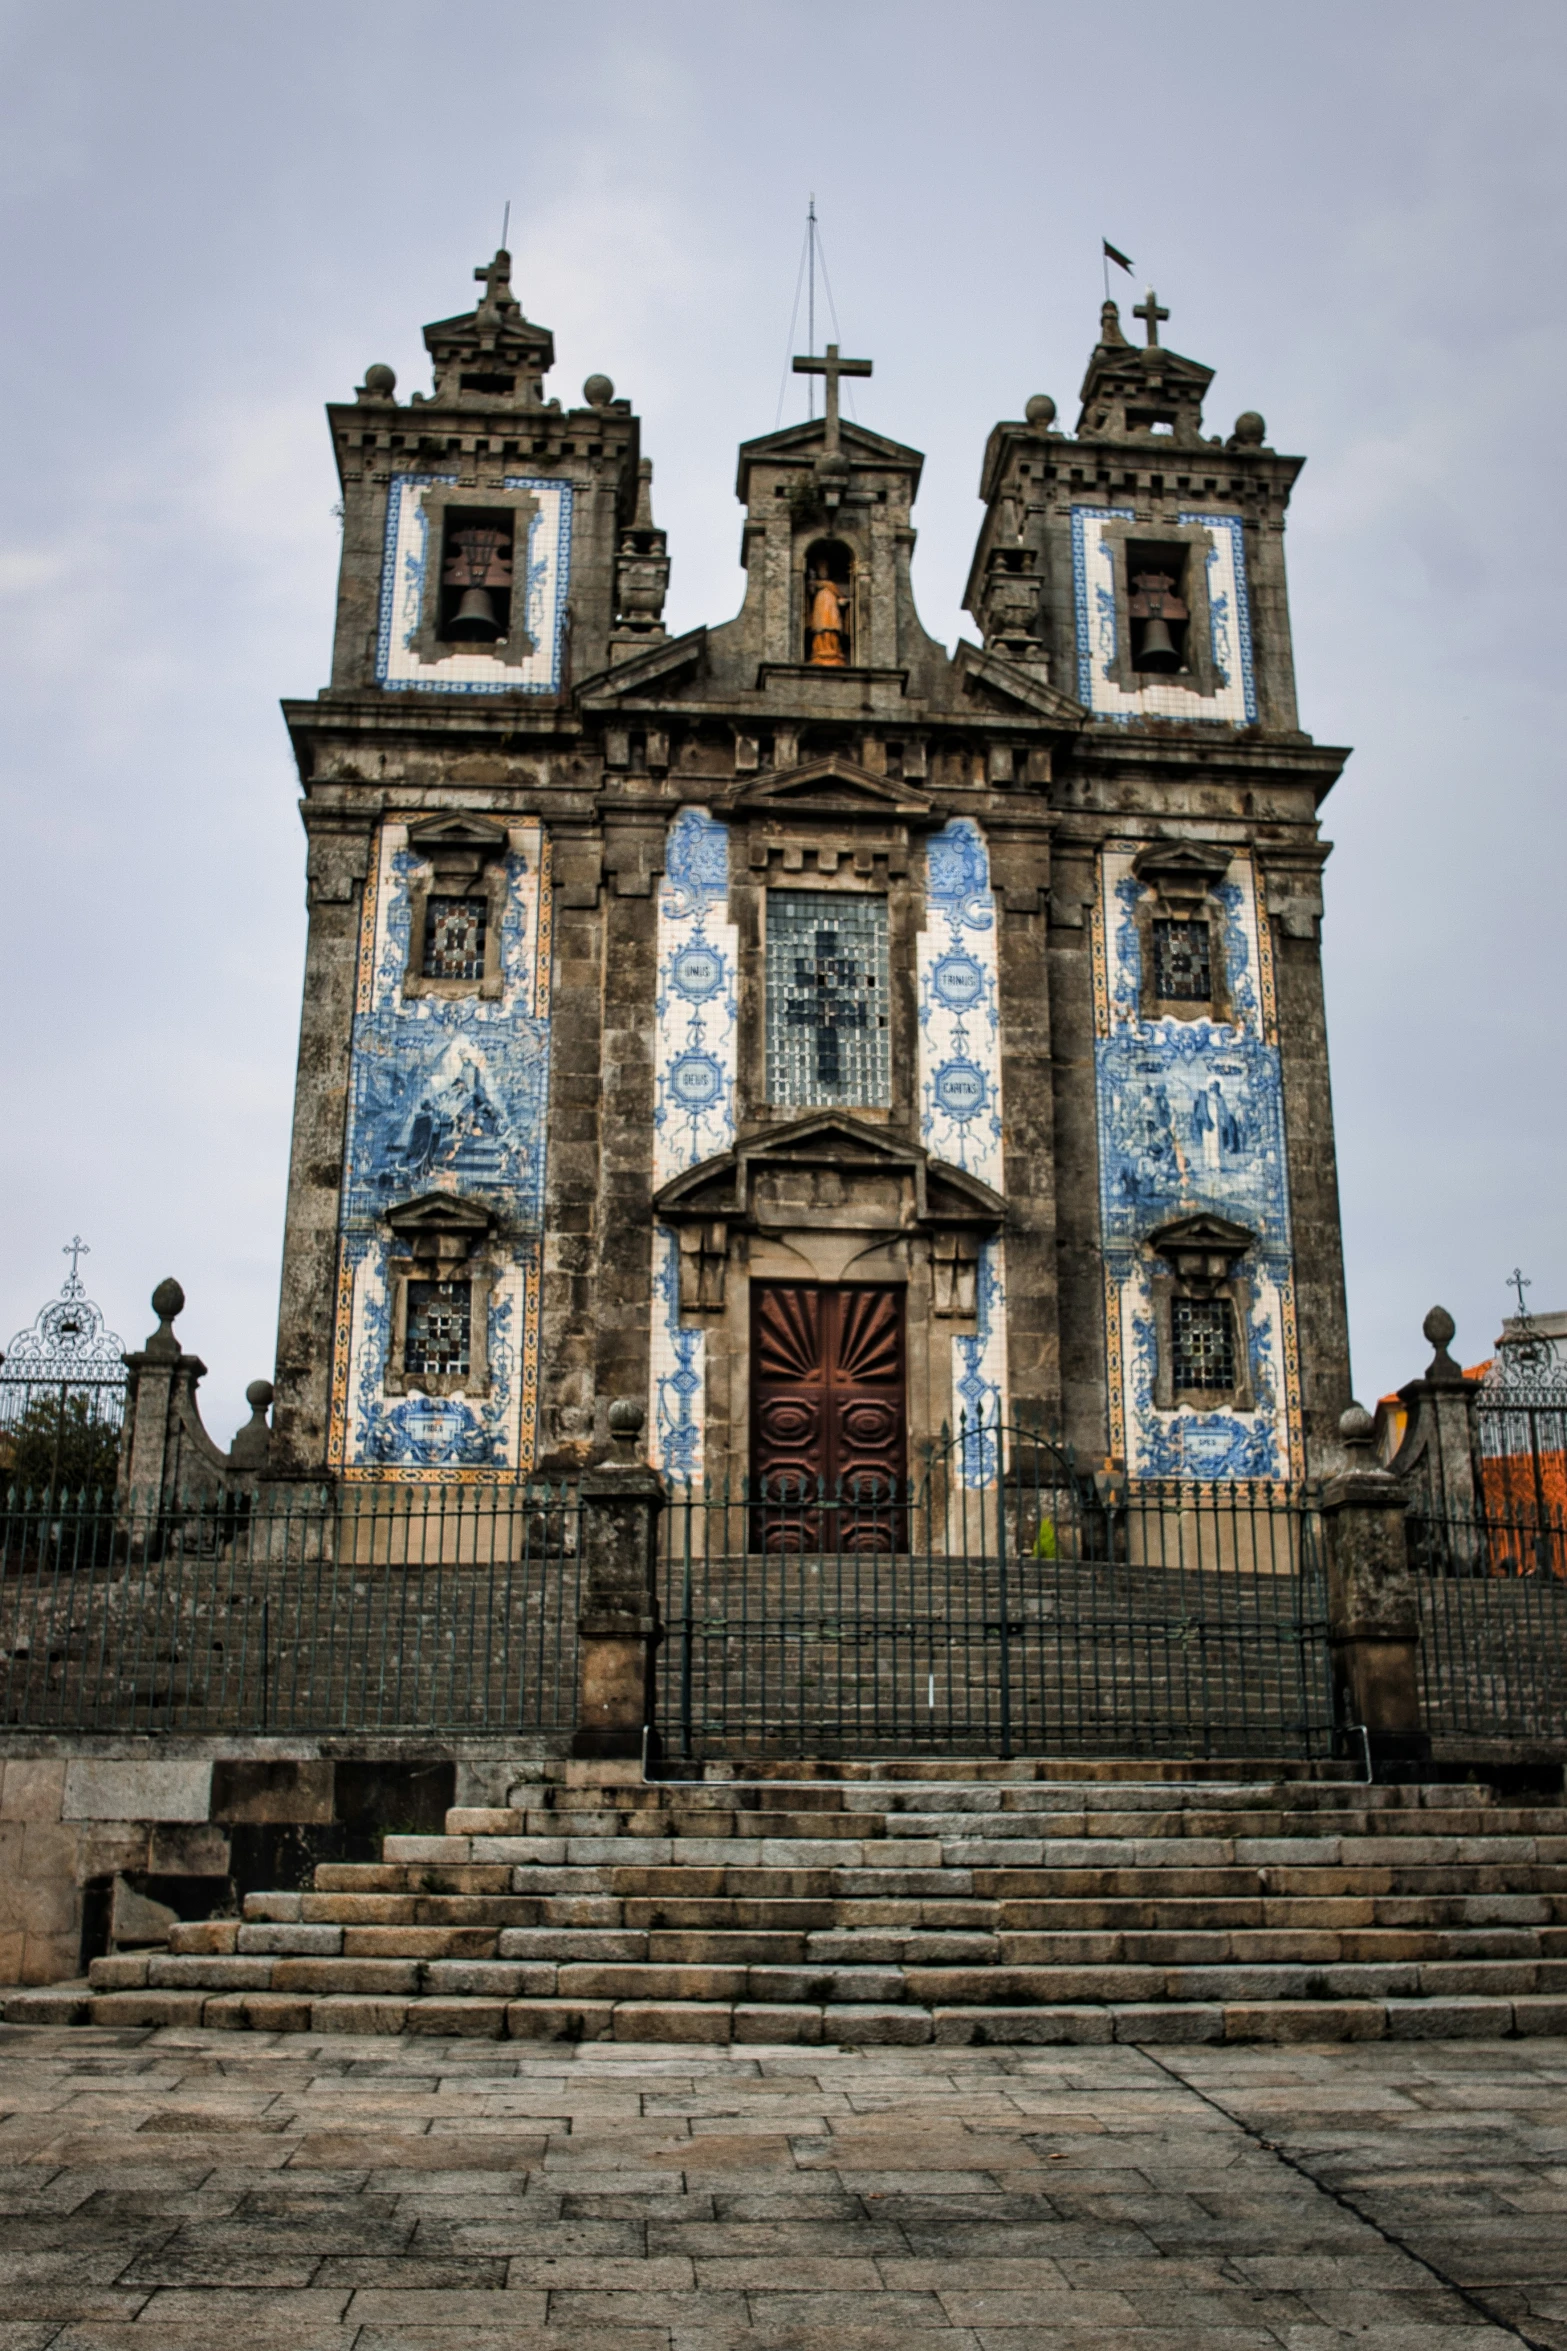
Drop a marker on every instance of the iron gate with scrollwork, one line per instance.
(62, 1395)
(1003, 1602)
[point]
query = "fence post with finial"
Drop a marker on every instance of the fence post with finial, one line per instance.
(618, 1628)
(1373, 1621)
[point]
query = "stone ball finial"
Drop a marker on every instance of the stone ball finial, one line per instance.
(598, 391)
(1250, 430)
(259, 1395)
(1356, 1426)
(626, 1417)
(380, 381)
(1439, 1329)
(167, 1300)
(1040, 411)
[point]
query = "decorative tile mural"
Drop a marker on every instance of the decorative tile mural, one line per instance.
(960, 1095)
(445, 1094)
(543, 575)
(1191, 1118)
(1229, 612)
(697, 1012)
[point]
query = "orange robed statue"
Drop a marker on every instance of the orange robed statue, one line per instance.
(829, 615)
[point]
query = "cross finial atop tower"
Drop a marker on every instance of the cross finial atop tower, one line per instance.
(832, 367)
(1152, 313)
(495, 277)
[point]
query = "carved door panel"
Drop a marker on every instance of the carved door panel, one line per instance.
(828, 1443)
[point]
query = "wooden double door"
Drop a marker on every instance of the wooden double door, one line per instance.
(829, 1422)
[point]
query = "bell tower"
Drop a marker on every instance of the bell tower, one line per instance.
(496, 547)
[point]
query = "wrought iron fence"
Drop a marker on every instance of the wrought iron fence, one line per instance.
(1492, 1592)
(1002, 1603)
(441, 1608)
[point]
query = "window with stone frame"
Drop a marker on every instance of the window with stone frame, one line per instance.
(1202, 1346)
(455, 929)
(828, 1023)
(438, 1332)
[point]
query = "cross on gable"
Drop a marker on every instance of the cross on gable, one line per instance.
(495, 277)
(1150, 311)
(832, 367)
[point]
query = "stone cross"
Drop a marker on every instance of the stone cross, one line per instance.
(1151, 311)
(832, 367)
(495, 277)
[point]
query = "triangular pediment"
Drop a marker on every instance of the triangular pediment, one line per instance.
(722, 1186)
(1203, 1234)
(441, 1212)
(658, 668)
(457, 832)
(804, 443)
(1010, 683)
(833, 786)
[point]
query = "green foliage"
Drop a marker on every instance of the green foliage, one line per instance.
(59, 1446)
(1045, 1540)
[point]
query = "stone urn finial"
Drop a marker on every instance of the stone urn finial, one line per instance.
(167, 1301)
(1357, 1429)
(1439, 1329)
(626, 1420)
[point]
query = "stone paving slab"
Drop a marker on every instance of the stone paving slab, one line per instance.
(174, 2187)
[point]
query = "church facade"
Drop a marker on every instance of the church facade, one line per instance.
(821, 1037)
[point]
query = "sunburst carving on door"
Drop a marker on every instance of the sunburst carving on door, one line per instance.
(828, 1420)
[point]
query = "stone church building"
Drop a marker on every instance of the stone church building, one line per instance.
(815, 1034)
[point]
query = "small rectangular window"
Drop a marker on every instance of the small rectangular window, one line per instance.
(1202, 1333)
(454, 931)
(1183, 961)
(439, 1329)
(828, 1037)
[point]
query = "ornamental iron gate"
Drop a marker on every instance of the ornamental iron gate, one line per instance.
(1002, 1603)
(62, 1394)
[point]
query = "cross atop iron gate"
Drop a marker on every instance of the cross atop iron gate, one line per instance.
(62, 1390)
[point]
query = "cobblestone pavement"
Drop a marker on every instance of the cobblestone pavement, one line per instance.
(202, 2188)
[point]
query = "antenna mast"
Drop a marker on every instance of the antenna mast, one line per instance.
(810, 304)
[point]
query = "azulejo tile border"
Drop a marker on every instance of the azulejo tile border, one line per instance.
(444, 1095)
(544, 581)
(1190, 1117)
(1229, 613)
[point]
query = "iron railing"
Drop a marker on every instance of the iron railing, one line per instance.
(1002, 1603)
(360, 1609)
(1492, 1594)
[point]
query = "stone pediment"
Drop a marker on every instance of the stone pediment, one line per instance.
(441, 1226)
(804, 443)
(828, 1169)
(1201, 1247)
(658, 668)
(833, 789)
(1007, 682)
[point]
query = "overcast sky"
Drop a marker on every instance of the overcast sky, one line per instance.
(214, 215)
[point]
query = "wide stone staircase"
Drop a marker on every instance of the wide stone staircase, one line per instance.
(955, 1903)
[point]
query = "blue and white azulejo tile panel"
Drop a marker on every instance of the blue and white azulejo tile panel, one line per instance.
(1191, 1118)
(1099, 624)
(960, 1100)
(543, 576)
(447, 1094)
(697, 1011)
(959, 1005)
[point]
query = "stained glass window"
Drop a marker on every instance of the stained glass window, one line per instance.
(1182, 962)
(439, 1329)
(827, 999)
(454, 931)
(1202, 1332)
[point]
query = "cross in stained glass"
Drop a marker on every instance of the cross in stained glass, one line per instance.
(831, 999)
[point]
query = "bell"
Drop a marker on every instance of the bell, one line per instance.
(1158, 646)
(475, 617)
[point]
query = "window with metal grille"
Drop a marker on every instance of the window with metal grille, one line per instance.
(827, 999)
(1202, 1335)
(439, 1328)
(454, 930)
(1182, 962)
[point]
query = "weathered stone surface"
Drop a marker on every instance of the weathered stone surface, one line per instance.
(98, 1789)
